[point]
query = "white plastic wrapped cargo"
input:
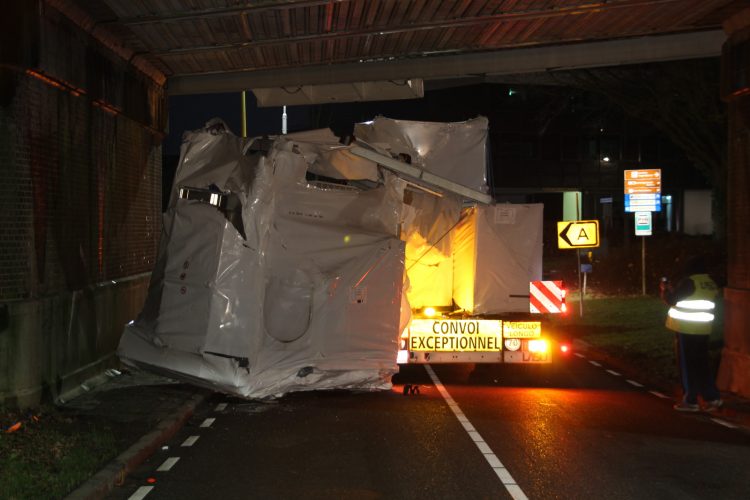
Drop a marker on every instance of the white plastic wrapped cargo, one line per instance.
(456, 151)
(497, 251)
(309, 298)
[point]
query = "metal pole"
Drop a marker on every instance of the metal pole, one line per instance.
(643, 265)
(578, 257)
(580, 285)
(244, 115)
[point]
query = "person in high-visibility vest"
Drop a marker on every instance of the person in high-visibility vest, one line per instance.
(691, 315)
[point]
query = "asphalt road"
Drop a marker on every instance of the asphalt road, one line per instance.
(578, 431)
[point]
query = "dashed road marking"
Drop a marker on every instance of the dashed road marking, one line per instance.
(168, 464)
(659, 394)
(655, 393)
(190, 441)
(724, 423)
(502, 473)
(208, 422)
(141, 493)
(221, 407)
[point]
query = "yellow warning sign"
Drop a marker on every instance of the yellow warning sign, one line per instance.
(578, 234)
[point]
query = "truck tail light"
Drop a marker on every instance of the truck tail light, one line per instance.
(538, 346)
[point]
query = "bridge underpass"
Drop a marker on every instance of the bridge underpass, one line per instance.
(84, 91)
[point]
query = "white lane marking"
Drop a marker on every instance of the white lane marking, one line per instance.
(578, 354)
(633, 382)
(502, 473)
(190, 441)
(168, 464)
(659, 394)
(221, 407)
(141, 493)
(208, 422)
(612, 372)
(594, 363)
(724, 423)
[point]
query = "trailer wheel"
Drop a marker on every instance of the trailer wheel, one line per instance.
(410, 389)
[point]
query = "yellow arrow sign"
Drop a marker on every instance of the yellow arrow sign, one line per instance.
(578, 234)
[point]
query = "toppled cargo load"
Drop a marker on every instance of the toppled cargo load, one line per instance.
(270, 280)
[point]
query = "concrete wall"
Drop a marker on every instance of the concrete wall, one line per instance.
(80, 200)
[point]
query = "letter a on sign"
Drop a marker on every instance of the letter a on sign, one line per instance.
(578, 234)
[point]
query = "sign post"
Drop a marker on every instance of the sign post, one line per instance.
(575, 235)
(643, 196)
(643, 229)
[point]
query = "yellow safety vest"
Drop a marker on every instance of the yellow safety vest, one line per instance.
(695, 314)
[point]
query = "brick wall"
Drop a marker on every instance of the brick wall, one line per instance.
(80, 162)
(80, 201)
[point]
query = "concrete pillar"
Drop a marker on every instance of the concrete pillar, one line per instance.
(734, 371)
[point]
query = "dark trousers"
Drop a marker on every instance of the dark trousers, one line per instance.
(697, 380)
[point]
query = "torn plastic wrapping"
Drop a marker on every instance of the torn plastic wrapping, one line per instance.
(504, 242)
(326, 156)
(456, 151)
(212, 156)
(310, 299)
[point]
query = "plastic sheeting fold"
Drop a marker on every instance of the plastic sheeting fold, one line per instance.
(457, 151)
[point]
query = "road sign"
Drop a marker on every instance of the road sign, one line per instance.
(643, 181)
(646, 202)
(643, 223)
(578, 234)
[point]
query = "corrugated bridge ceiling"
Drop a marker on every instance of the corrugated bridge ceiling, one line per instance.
(221, 45)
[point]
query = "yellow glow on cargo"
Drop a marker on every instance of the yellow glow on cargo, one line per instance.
(538, 346)
(465, 260)
(430, 274)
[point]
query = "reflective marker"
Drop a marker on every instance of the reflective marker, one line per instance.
(208, 422)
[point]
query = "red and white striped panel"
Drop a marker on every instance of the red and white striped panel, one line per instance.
(546, 297)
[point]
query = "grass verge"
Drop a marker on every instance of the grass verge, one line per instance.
(47, 454)
(629, 329)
